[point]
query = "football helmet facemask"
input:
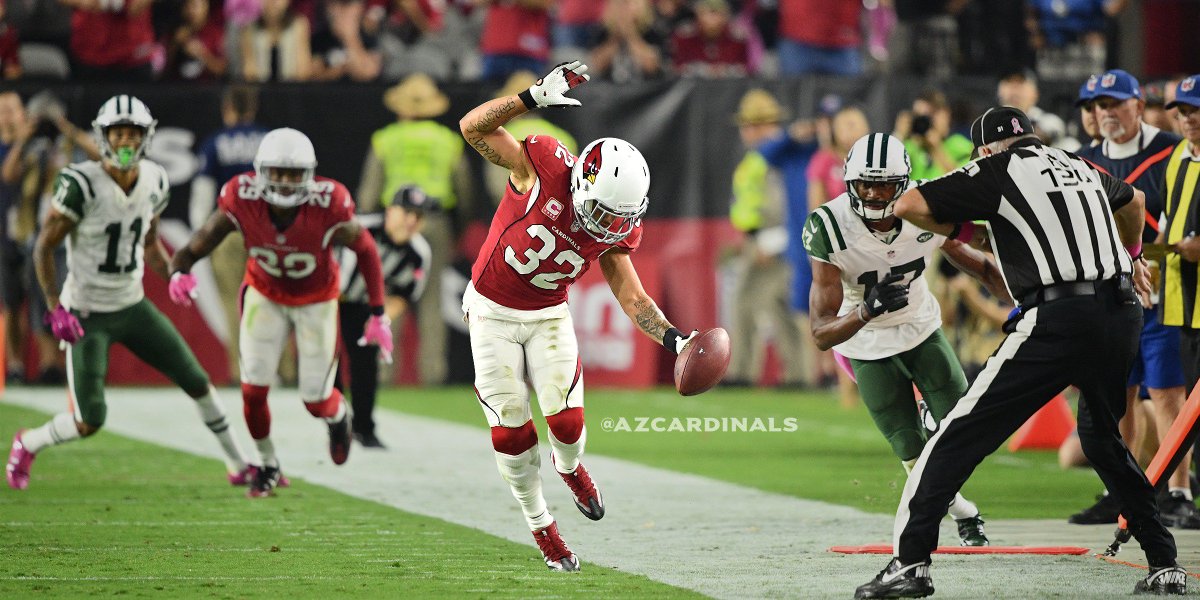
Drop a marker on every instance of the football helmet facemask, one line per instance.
(879, 159)
(284, 166)
(609, 182)
(123, 109)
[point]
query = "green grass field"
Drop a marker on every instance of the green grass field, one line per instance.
(836, 455)
(116, 517)
(111, 516)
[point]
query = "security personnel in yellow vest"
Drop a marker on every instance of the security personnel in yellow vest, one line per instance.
(417, 150)
(1181, 277)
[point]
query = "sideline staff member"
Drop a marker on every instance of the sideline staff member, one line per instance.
(1058, 227)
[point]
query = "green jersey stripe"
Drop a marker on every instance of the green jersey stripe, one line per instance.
(831, 224)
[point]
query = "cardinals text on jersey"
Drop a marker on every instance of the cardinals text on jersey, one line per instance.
(535, 249)
(836, 235)
(293, 266)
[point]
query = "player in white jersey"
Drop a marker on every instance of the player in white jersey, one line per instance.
(870, 302)
(108, 214)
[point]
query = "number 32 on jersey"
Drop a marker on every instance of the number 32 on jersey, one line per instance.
(532, 259)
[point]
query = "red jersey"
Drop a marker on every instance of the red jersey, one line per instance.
(535, 249)
(294, 266)
(112, 39)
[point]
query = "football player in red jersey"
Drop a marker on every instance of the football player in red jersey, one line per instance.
(558, 214)
(289, 220)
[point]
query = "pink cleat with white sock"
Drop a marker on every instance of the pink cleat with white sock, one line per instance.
(19, 462)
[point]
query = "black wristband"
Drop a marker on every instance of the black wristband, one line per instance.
(377, 311)
(954, 232)
(670, 337)
(527, 100)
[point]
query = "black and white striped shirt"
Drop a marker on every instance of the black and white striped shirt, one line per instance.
(404, 266)
(1049, 212)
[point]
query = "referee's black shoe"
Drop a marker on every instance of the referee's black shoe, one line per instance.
(898, 580)
(1165, 581)
(1104, 512)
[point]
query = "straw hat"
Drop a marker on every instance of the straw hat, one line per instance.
(517, 83)
(759, 107)
(416, 97)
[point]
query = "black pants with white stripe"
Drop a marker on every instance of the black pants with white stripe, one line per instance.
(1085, 341)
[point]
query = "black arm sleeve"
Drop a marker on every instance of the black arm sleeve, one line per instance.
(1119, 193)
(967, 194)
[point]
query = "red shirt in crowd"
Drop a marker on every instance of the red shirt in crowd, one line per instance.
(112, 39)
(579, 12)
(821, 23)
(695, 54)
(515, 30)
(9, 44)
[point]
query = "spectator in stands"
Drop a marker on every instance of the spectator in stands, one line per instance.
(627, 49)
(12, 255)
(1068, 36)
(820, 37)
(516, 37)
(196, 47)
(1156, 111)
(932, 146)
(577, 23)
(341, 48)
(417, 150)
(40, 21)
(10, 43)
(925, 41)
(1087, 112)
(669, 15)
(1020, 90)
(43, 142)
(710, 46)
(225, 154)
(276, 47)
(402, 33)
(763, 289)
(111, 40)
(530, 123)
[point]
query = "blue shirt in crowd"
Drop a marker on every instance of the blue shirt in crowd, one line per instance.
(230, 151)
(791, 158)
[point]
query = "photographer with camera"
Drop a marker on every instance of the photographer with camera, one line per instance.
(933, 148)
(42, 142)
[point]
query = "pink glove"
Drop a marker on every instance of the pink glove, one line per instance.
(378, 332)
(182, 288)
(64, 325)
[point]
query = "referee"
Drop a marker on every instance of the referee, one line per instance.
(405, 256)
(1058, 228)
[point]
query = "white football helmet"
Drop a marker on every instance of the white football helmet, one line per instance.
(876, 158)
(609, 182)
(123, 110)
(284, 148)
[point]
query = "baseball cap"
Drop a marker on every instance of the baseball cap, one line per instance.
(999, 123)
(1187, 92)
(413, 198)
(1118, 84)
(1087, 91)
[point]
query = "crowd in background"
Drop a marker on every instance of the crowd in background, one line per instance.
(622, 40)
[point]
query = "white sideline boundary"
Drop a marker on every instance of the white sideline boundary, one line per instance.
(716, 538)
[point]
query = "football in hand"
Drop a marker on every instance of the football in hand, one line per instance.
(703, 362)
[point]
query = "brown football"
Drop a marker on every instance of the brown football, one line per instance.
(702, 363)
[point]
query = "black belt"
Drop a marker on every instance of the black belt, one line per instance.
(1071, 289)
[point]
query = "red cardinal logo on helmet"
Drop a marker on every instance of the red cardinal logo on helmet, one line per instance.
(591, 163)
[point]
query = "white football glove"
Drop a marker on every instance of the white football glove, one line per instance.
(682, 342)
(551, 90)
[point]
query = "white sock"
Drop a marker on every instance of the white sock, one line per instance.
(566, 456)
(961, 508)
(1187, 492)
(523, 474)
(213, 414)
(59, 430)
(339, 415)
(266, 449)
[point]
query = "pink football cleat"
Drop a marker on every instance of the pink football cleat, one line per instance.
(19, 462)
(246, 477)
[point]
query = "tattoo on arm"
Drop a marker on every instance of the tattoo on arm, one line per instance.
(492, 119)
(650, 319)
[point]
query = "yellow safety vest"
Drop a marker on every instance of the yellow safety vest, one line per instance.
(1181, 279)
